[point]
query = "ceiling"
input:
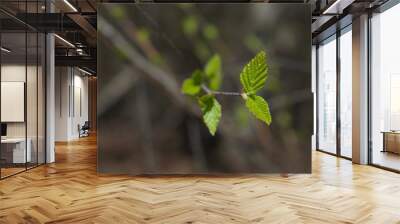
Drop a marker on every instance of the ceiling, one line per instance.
(75, 21)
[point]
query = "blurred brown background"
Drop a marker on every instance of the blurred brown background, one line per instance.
(147, 126)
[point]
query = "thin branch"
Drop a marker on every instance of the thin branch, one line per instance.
(154, 73)
(209, 91)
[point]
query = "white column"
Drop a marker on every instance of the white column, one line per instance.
(50, 99)
(62, 103)
(50, 93)
(360, 90)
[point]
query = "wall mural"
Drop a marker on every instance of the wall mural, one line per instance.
(204, 88)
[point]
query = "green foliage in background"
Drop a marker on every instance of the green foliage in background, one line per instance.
(210, 32)
(143, 35)
(190, 25)
(201, 50)
(118, 12)
(204, 84)
(253, 42)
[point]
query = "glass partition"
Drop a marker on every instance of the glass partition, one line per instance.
(41, 91)
(22, 88)
(14, 153)
(32, 95)
(327, 95)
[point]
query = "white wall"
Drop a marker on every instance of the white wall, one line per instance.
(9, 73)
(13, 101)
(62, 81)
(71, 102)
(17, 73)
(80, 110)
(33, 126)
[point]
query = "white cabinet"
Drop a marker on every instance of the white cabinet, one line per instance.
(19, 155)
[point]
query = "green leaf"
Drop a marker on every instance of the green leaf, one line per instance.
(192, 86)
(213, 72)
(211, 112)
(254, 74)
(259, 108)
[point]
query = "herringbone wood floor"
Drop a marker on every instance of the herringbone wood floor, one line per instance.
(70, 191)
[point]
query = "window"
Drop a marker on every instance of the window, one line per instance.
(385, 89)
(346, 92)
(327, 95)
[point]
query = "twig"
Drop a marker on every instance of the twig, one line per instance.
(154, 73)
(209, 91)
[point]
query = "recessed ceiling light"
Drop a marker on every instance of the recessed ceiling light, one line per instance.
(64, 40)
(5, 50)
(70, 5)
(337, 7)
(84, 71)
